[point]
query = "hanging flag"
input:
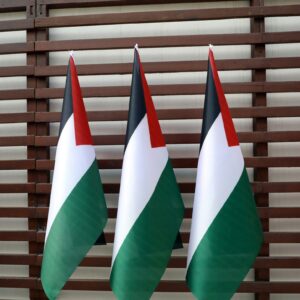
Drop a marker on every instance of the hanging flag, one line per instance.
(77, 212)
(226, 233)
(150, 208)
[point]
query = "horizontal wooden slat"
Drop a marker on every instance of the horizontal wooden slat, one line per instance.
(270, 136)
(26, 164)
(271, 162)
(42, 212)
(279, 212)
(178, 89)
(20, 259)
(23, 212)
(16, 48)
(16, 71)
(189, 187)
(28, 282)
(96, 3)
(251, 162)
(26, 235)
(17, 187)
(164, 286)
(282, 237)
(173, 114)
(170, 41)
(16, 94)
(169, 16)
(173, 66)
(175, 261)
(12, 25)
(17, 117)
(187, 138)
(39, 236)
(17, 140)
(276, 187)
(270, 287)
(277, 262)
(14, 5)
(194, 138)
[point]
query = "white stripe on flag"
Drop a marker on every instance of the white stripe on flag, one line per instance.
(219, 169)
(141, 170)
(71, 163)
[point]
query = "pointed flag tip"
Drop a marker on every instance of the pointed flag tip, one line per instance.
(71, 53)
(136, 47)
(210, 46)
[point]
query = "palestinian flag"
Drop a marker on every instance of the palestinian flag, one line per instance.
(150, 208)
(77, 212)
(226, 233)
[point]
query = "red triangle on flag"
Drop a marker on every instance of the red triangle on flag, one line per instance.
(231, 135)
(156, 136)
(82, 129)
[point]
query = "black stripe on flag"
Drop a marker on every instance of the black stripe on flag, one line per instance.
(211, 105)
(137, 107)
(67, 109)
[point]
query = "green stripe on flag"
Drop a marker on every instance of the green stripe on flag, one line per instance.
(229, 247)
(144, 255)
(75, 229)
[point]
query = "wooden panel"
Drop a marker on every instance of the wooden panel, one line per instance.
(16, 94)
(14, 5)
(16, 140)
(39, 236)
(39, 117)
(17, 187)
(260, 149)
(178, 66)
(251, 162)
(164, 286)
(17, 164)
(16, 71)
(42, 212)
(169, 16)
(16, 25)
(34, 200)
(179, 114)
(175, 262)
(16, 117)
(97, 3)
(191, 138)
(179, 89)
(16, 48)
(258, 187)
(170, 41)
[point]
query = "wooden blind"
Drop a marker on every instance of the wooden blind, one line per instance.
(264, 76)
